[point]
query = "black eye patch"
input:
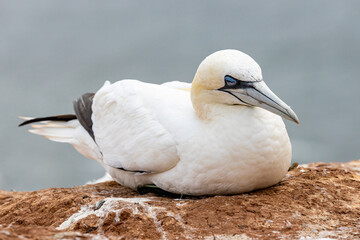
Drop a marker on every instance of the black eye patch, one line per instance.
(233, 83)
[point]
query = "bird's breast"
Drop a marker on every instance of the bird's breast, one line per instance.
(239, 150)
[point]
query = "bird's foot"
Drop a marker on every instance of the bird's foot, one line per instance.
(152, 188)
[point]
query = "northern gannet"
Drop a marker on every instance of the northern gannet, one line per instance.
(222, 134)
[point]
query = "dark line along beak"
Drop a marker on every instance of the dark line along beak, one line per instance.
(259, 94)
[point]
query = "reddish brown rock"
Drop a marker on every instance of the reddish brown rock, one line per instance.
(315, 201)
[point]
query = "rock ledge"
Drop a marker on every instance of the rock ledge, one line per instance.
(312, 202)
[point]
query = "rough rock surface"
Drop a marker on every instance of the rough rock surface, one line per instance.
(312, 202)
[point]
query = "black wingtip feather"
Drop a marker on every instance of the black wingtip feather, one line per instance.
(60, 118)
(83, 111)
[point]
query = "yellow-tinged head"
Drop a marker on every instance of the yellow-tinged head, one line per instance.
(232, 77)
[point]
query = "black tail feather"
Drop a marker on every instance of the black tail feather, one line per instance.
(60, 118)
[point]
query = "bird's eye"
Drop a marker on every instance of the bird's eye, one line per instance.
(230, 82)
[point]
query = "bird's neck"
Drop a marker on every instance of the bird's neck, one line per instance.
(200, 102)
(206, 109)
(204, 100)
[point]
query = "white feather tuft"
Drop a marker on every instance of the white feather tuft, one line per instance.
(68, 132)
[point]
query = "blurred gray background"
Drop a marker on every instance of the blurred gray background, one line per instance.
(51, 52)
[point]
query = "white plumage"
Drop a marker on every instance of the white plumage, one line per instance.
(216, 139)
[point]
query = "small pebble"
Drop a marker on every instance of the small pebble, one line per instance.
(99, 204)
(91, 229)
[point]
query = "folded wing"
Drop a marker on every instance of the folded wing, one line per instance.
(128, 132)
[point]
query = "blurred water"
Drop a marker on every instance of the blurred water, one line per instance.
(53, 51)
